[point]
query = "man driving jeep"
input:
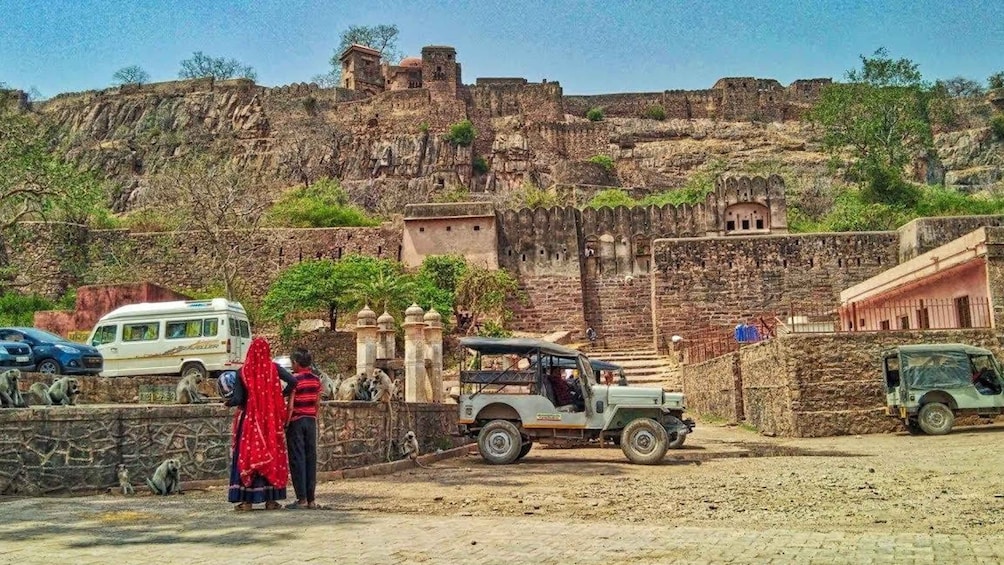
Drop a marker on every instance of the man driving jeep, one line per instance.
(563, 400)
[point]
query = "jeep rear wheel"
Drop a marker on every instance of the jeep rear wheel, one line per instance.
(500, 442)
(912, 427)
(936, 419)
(644, 441)
(677, 441)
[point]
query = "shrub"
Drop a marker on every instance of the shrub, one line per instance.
(533, 196)
(19, 309)
(611, 198)
(461, 133)
(997, 126)
(492, 328)
(886, 186)
(324, 204)
(480, 165)
(655, 113)
(423, 127)
(594, 114)
(605, 161)
(310, 105)
(455, 193)
(996, 80)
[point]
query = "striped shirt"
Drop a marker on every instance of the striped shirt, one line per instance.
(305, 395)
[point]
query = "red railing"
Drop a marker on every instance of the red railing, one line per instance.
(922, 314)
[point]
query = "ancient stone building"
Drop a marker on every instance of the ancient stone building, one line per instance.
(363, 70)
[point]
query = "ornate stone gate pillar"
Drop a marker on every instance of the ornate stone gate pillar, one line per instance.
(415, 381)
(386, 348)
(434, 352)
(366, 346)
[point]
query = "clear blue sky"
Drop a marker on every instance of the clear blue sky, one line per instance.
(603, 46)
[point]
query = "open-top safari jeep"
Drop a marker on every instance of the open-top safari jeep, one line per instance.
(513, 393)
(928, 385)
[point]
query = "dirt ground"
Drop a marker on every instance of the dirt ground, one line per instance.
(724, 476)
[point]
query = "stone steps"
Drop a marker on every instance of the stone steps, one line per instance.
(643, 366)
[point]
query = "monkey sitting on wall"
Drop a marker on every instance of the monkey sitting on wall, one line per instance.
(187, 391)
(167, 478)
(329, 386)
(124, 484)
(409, 449)
(382, 388)
(40, 392)
(64, 391)
(355, 388)
(10, 394)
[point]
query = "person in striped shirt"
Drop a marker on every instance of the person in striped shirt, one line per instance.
(301, 429)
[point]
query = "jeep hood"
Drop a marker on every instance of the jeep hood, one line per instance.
(634, 395)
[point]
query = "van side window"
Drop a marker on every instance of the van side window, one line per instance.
(210, 327)
(103, 335)
(144, 331)
(245, 328)
(234, 330)
(183, 329)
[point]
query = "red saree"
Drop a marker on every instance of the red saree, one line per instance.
(262, 448)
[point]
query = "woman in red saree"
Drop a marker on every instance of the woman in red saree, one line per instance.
(259, 469)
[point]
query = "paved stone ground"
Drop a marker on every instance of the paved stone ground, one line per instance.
(448, 514)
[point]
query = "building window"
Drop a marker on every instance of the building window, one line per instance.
(759, 223)
(421, 229)
(884, 325)
(746, 224)
(730, 225)
(477, 228)
(904, 323)
(448, 228)
(963, 312)
(923, 319)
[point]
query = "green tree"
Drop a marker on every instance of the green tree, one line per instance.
(881, 117)
(479, 165)
(382, 37)
(37, 186)
(594, 114)
(323, 204)
(655, 113)
(996, 80)
(960, 87)
(461, 133)
(436, 284)
(201, 65)
(133, 74)
(611, 198)
(483, 293)
(605, 161)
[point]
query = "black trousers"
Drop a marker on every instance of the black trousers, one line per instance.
(301, 441)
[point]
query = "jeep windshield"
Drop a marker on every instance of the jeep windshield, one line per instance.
(514, 363)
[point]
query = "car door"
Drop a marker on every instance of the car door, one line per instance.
(105, 340)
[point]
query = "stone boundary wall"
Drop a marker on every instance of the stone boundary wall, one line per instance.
(711, 387)
(924, 234)
(48, 451)
(811, 385)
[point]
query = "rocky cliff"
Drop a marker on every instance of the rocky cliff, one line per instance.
(389, 150)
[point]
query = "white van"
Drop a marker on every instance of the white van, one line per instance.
(163, 338)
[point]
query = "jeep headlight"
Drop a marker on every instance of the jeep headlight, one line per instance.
(67, 348)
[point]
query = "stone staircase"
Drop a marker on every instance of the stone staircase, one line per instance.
(643, 366)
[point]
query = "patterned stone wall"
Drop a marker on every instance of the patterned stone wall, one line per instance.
(711, 387)
(76, 449)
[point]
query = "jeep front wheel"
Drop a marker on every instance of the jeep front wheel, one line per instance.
(936, 419)
(500, 442)
(644, 441)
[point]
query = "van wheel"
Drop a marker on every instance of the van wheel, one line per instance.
(644, 441)
(500, 442)
(936, 419)
(189, 369)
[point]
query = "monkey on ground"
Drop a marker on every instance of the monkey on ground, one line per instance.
(10, 394)
(329, 386)
(41, 392)
(64, 391)
(124, 483)
(355, 388)
(167, 478)
(187, 391)
(410, 448)
(382, 388)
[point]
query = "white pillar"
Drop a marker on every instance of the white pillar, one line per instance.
(386, 348)
(434, 352)
(366, 347)
(415, 382)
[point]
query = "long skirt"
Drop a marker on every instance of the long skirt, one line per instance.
(260, 490)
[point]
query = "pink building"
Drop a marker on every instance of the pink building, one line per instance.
(947, 287)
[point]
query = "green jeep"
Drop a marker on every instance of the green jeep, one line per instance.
(515, 392)
(928, 385)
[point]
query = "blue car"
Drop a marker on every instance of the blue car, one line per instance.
(55, 355)
(14, 355)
